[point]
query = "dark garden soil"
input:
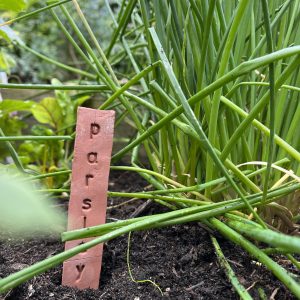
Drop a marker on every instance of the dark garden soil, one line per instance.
(180, 259)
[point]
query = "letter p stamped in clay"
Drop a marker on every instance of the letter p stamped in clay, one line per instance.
(88, 199)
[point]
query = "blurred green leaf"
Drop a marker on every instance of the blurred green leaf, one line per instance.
(23, 210)
(48, 111)
(8, 34)
(4, 35)
(9, 105)
(6, 61)
(33, 151)
(11, 125)
(13, 5)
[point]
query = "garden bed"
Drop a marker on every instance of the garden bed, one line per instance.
(179, 259)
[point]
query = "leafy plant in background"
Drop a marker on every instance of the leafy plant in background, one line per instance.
(211, 88)
(54, 115)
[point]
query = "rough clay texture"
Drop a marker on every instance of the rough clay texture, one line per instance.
(88, 200)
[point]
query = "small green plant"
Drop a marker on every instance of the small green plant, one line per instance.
(211, 90)
(53, 115)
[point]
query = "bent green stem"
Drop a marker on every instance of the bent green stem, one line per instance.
(229, 272)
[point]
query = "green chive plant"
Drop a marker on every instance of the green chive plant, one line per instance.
(211, 89)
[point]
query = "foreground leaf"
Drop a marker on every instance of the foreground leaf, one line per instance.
(23, 211)
(13, 5)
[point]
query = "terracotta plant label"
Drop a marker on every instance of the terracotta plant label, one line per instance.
(87, 206)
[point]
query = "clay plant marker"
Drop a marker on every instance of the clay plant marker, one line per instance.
(87, 206)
